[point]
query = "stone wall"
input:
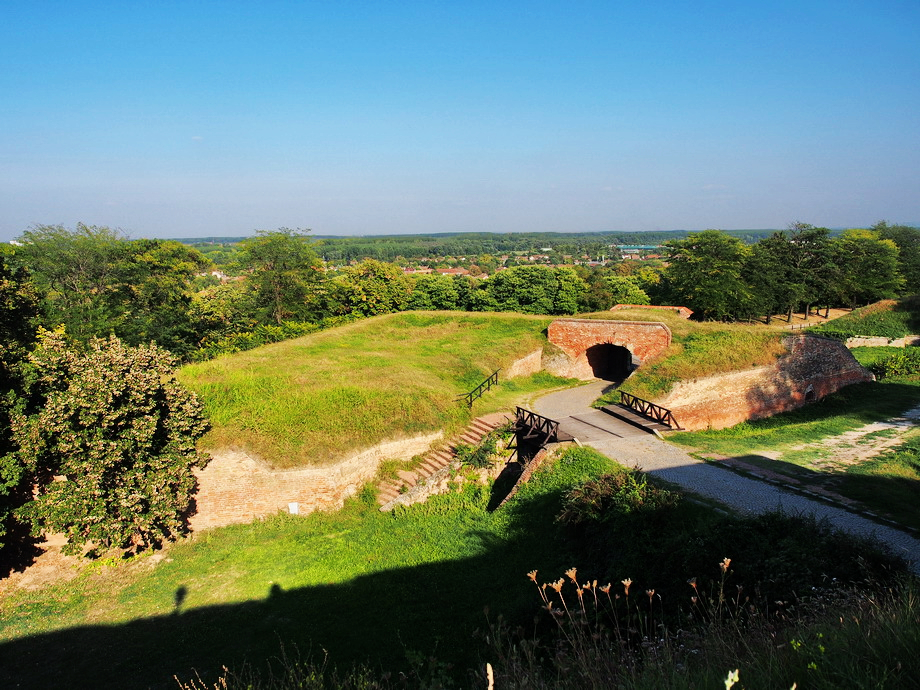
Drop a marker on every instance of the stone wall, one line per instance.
(814, 367)
(874, 341)
(527, 365)
(237, 488)
(643, 339)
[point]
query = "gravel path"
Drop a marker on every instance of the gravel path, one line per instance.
(672, 464)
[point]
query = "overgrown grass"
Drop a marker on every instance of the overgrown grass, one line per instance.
(886, 319)
(697, 349)
(313, 399)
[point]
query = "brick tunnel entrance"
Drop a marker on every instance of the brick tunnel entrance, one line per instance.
(609, 362)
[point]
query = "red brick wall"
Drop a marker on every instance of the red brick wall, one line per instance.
(644, 339)
(818, 365)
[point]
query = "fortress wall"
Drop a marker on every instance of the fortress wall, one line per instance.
(815, 367)
(237, 488)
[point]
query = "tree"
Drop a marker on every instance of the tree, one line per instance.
(706, 274)
(373, 287)
(812, 278)
(868, 267)
(18, 314)
(434, 291)
(907, 240)
(285, 271)
(107, 435)
(530, 290)
(768, 273)
(96, 282)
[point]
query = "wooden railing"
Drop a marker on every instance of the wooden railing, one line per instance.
(648, 409)
(530, 425)
(480, 389)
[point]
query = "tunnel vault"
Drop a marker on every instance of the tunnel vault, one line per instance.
(605, 349)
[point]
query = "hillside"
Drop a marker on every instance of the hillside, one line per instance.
(312, 399)
(886, 319)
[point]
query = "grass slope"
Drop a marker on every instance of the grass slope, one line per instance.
(313, 399)
(885, 319)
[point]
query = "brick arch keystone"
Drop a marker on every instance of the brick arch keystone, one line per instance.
(643, 339)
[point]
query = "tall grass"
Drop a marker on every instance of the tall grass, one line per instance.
(310, 400)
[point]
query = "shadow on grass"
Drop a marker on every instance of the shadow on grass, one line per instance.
(430, 609)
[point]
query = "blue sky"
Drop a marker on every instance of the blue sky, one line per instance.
(181, 119)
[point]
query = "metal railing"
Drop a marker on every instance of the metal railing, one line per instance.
(648, 409)
(480, 389)
(530, 425)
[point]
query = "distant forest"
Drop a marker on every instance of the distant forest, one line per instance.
(389, 247)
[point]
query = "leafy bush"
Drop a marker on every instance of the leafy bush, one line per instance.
(613, 496)
(108, 437)
(903, 363)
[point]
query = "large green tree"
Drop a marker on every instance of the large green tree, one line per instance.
(107, 436)
(530, 290)
(97, 282)
(285, 273)
(374, 287)
(706, 273)
(867, 267)
(907, 240)
(18, 315)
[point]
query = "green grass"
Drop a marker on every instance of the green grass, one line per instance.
(697, 349)
(313, 399)
(886, 319)
(375, 588)
(363, 584)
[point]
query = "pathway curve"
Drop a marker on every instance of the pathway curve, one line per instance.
(660, 459)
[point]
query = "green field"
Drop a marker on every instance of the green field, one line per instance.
(885, 319)
(313, 399)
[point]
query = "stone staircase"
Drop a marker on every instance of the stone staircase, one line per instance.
(436, 460)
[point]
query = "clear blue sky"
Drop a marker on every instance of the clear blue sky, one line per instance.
(172, 119)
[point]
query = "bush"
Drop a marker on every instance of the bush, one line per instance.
(108, 437)
(613, 496)
(903, 363)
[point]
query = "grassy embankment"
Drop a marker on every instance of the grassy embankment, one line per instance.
(311, 400)
(799, 444)
(372, 587)
(886, 319)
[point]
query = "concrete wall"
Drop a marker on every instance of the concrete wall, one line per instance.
(814, 367)
(237, 488)
(572, 337)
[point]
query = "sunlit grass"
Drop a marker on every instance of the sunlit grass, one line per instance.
(313, 399)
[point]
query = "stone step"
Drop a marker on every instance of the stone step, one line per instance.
(408, 476)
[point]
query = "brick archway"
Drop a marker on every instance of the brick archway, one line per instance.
(643, 339)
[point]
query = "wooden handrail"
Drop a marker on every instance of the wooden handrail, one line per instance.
(480, 389)
(662, 415)
(535, 425)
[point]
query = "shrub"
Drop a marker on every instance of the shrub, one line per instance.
(108, 436)
(613, 496)
(903, 363)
